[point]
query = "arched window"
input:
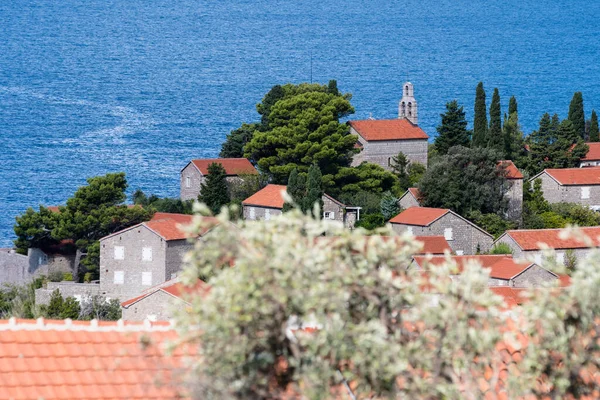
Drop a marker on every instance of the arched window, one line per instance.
(403, 108)
(406, 90)
(410, 109)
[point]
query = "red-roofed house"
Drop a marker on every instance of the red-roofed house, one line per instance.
(514, 191)
(504, 270)
(463, 236)
(571, 185)
(526, 243)
(434, 245)
(144, 255)
(194, 173)
(159, 302)
(592, 158)
(411, 198)
(268, 203)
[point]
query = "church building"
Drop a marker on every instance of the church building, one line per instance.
(380, 140)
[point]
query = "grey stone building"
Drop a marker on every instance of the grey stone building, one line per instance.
(526, 244)
(194, 173)
(514, 190)
(20, 269)
(407, 107)
(463, 236)
(268, 203)
(571, 185)
(410, 198)
(592, 158)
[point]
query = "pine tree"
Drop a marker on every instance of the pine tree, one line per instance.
(594, 127)
(399, 167)
(577, 115)
(214, 192)
(296, 188)
(512, 106)
(314, 189)
(495, 139)
(453, 129)
(389, 206)
(480, 123)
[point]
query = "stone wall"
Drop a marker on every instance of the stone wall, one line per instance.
(408, 201)
(381, 152)
(67, 289)
(158, 306)
(176, 251)
(18, 269)
(515, 199)
(555, 193)
(195, 180)
(537, 255)
(534, 276)
(466, 238)
(260, 212)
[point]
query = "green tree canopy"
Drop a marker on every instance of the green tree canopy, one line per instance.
(389, 206)
(399, 167)
(34, 229)
(594, 127)
(366, 177)
(514, 143)
(577, 115)
(466, 180)
(480, 124)
(233, 147)
(453, 129)
(213, 191)
(513, 106)
(495, 139)
(165, 204)
(314, 190)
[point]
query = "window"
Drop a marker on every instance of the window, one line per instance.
(267, 215)
(119, 253)
(406, 87)
(147, 254)
(460, 252)
(43, 259)
(448, 234)
(119, 278)
(188, 182)
(147, 278)
(585, 192)
(251, 213)
(329, 215)
(560, 257)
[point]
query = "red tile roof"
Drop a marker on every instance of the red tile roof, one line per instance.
(173, 287)
(173, 228)
(512, 297)
(574, 176)
(420, 216)
(416, 194)
(529, 239)
(269, 196)
(433, 244)
(512, 172)
(88, 359)
(233, 166)
(388, 129)
(507, 268)
(594, 152)
(485, 260)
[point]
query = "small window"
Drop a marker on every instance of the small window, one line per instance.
(119, 253)
(119, 278)
(251, 213)
(147, 254)
(448, 234)
(43, 259)
(460, 252)
(585, 192)
(146, 278)
(188, 182)
(267, 215)
(328, 215)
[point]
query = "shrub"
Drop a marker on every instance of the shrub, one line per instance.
(68, 276)
(370, 221)
(501, 248)
(56, 276)
(87, 278)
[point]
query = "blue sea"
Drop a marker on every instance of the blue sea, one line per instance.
(142, 86)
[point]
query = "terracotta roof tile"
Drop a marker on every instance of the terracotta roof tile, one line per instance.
(175, 288)
(388, 129)
(507, 268)
(269, 196)
(530, 239)
(512, 172)
(512, 297)
(486, 261)
(575, 176)
(433, 244)
(416, 193)
(420, 216)
(63, 360)
(233, 166)
(594, 152)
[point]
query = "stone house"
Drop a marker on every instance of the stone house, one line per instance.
(526, 244)
(194, 174)
(592, 158)
(514, 190)
(410, 198)
(571, 185)
(463, 236)
(159, 302)
(503, 269)
(144, 255)
(268, 203)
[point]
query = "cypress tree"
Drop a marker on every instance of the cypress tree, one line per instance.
(480, 123)
(453, 129)
(577, 115)
(400, 169)
(495, 139)
(594, 127)
(214, 192)
(512, 106)
(296, 189)
(314, 189)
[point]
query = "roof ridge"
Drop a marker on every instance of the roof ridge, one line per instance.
(41, 324)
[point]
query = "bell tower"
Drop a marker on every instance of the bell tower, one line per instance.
(407, 108)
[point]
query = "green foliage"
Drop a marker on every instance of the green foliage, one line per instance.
(296, 188)
(495, 138)
(466, 180)
(56, 276)
(18, 301)
(389, 206)
(314, 191)
(34, 229)
(570, 260)
(492, 223)
(366, 177)
(214, 192)
(92, 260)
(415, 173)
(514, 144)
(369, 202)
(97, 307)
(370, 221)
(399, 167)
(233, 147)
(453, 129)
(166, 204)
(304, 129)
(512, 106)
(480, 124)
(67, 276)
(501, 248)
(88, 277)
(59, 308)
(577, 115)
(576, 214)
(593, 133)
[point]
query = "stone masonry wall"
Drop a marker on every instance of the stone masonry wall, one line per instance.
(465, 237)
(18, 269)
(408, 201)
(176, 251)
(555, 193)
(534, 276)
(260, 212)
(537, 255)
(381, 152)
(67, 289)
(158, 306)
(515, 199)
(196, 179)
